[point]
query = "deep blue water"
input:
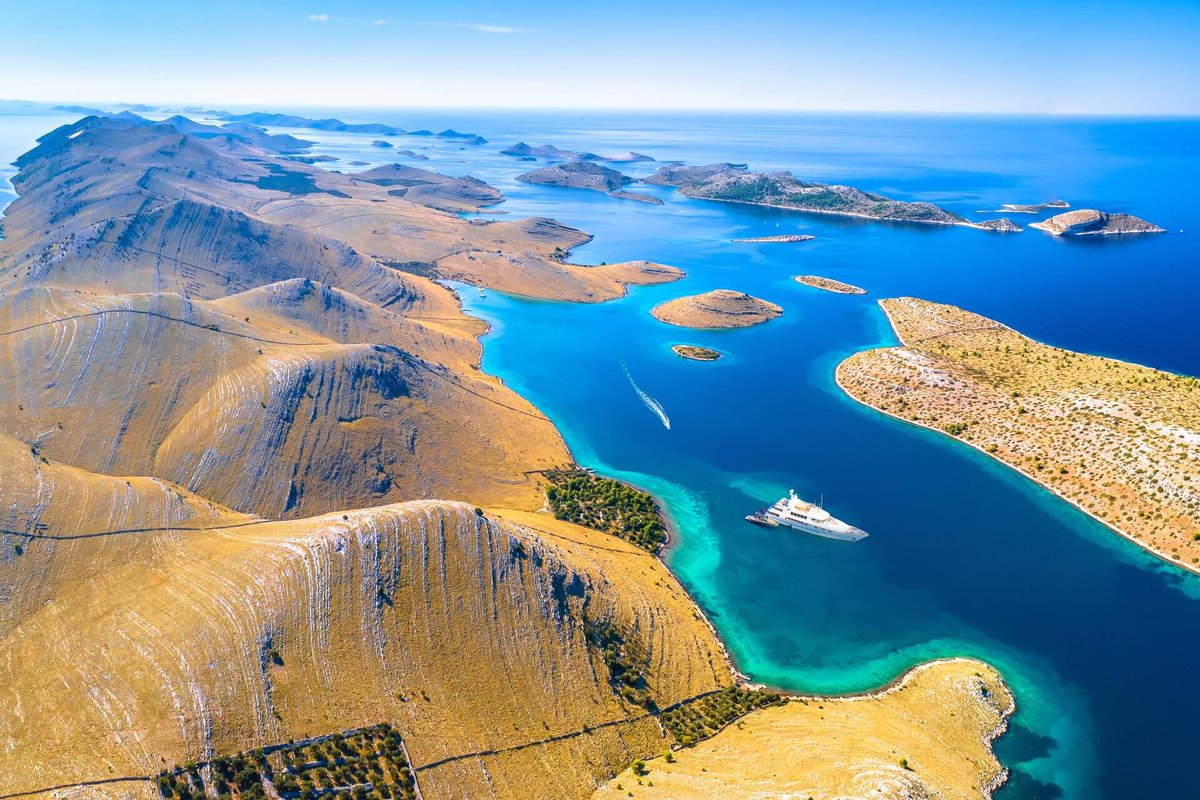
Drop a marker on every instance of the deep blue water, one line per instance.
(1100, 641)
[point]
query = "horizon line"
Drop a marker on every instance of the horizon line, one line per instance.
(159, 104)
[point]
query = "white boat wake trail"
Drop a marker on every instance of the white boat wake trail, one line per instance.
(649, 401)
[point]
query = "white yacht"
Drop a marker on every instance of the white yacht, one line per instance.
(795, 513)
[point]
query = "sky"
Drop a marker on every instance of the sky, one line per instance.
(1096, 57)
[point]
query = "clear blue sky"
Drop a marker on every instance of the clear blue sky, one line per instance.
(1015, 56)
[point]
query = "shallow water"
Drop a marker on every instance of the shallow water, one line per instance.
(1100, 641)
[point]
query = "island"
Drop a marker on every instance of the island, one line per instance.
(466, 138)
(1117, 440)
(720, 308)
(587, 175)
(336, 125)
(1090, 222)
(381, 143)
(628, 157)
(734, 183)
(695, 352)
(829, 284)
(1001, 225)
(782, 238)
(522, 150)
(1032, 208)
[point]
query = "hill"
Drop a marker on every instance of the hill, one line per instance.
(720, 308)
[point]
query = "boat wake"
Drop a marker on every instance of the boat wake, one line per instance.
(649, 401)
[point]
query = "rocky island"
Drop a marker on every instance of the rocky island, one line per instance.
(695, 352)
(587, 175)
(1032, 208)
(782, 239)
(734, 183)
(1117, 440)
(522, 150)
(1002, 225)
(720, 308)
(829, 284)
(628, 157)
(338, 126)
(782, 190)
(1090, 222)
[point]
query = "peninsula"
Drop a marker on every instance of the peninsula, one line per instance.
(720, 308)
(1117, 440)
(1090, 222)
(587, 175)
(849, 747)
(829, 284)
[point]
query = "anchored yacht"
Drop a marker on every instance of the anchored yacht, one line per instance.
(793, 512)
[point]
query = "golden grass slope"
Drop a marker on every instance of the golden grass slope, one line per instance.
(928, 737)
(421, 613)
(105, 187)
(1118, 440)
(266, 416)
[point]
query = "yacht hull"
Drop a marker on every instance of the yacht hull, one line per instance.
(846, 536)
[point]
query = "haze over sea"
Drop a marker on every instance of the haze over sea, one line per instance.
(1100, 642)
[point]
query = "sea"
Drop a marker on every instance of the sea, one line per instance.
(1099, 641)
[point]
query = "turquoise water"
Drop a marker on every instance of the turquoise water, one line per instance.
(1100, 642)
